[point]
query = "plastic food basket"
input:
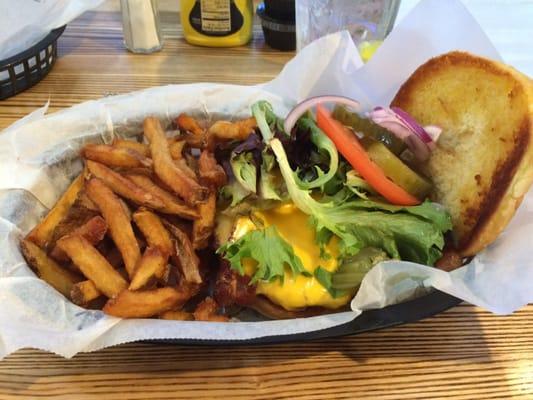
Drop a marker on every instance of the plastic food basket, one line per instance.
(23, 70)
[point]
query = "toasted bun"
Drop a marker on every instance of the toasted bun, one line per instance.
(483, 164)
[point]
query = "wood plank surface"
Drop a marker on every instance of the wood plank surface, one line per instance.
(464, 353)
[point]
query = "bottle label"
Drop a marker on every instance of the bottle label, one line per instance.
(216, 17)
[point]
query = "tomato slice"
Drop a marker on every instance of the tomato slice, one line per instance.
(349, 146)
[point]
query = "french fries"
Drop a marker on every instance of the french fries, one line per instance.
(151, 267)
(42, 233)
(239, 130)
(171, 204)
(123, 187)
(119, 224)
(82, 293)
(47, 269)
(154, 232)
(213, 175)
(118, 235)
(189, 124)
(177, 315)
(93, 265)
(202, 228)
(140, 148)
(93, 230)
(146, 303)
(77, 215)
(207, 310)
(175, 147)
(210, 171)
(187, 260)
(187, 170)
(115, 156)
(166, 170)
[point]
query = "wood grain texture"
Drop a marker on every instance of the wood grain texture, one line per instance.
(93, 63)
(464, 353)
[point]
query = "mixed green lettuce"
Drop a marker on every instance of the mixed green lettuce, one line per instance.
(306, 170)
(409, 233)
(271, 252)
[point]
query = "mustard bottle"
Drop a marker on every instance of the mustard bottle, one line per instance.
(217, 23)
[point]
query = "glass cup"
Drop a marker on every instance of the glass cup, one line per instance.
(140, 24)
(368, 21)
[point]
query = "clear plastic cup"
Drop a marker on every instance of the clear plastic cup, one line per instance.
(368, 21)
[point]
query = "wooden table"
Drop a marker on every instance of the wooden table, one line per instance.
(464, 353)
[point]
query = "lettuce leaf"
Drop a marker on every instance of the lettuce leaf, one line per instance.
(267, 121)
(271, 252)
(245, 170)
(270, 182)
(408, 233)
(324, 146)
(233, 193)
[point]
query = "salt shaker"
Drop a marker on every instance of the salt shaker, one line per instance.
(140, 23)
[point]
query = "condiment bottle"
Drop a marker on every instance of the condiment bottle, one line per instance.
(140, 24)
(217, 23)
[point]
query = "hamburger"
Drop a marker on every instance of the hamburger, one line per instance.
(315, 201)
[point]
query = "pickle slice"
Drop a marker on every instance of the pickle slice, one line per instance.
(353, 269)
(368, 129)
(396, 170)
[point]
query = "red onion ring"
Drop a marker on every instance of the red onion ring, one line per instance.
(404, 126)
(305, 105)
(411, 122)
(433, 131)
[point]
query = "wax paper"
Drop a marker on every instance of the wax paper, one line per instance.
(38, 158)
(25, 22)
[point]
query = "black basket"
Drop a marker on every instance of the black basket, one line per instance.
(23, 70)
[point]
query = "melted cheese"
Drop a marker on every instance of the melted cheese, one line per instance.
(300, 291)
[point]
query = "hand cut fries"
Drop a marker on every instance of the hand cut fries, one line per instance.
(188, 123)
(142, 304)
(210, 171)
(93, 265)
(176, 149)
(61, 279)
(159, 198)
(188, 261)
(124, 187)
(93, 230)
(118, 222)
(239, 130)
(140, 148)
(154, 232)
(42, 233)
(165, 168)
(185, 168)
(177, 315)
(82, 293)
(151, 267)
(202, 228)
(171, 204)
(115, 156)
(207, 310)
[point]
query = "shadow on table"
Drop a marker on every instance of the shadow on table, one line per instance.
(453, 334)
